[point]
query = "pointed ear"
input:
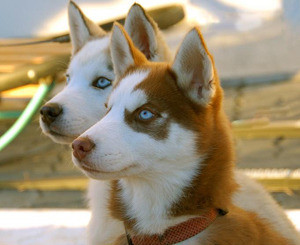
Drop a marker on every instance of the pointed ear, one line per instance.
(123, 52)
(82, 29)
(194, 68)
(144, 32)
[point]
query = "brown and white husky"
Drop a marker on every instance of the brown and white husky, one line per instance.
(166, 145)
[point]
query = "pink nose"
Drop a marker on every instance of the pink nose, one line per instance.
(81, 147)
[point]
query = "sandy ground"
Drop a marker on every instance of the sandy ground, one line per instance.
(59, 227)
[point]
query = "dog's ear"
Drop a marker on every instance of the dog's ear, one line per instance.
(144, 33)
(194, 68)
(82, 29)
(123, 52)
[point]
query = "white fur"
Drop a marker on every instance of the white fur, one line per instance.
(109, 130)
(126, 94)
(82, 104)
(102, 229)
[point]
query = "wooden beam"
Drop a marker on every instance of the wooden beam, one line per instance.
(165, 17)
(34, 72)
(49, 184)
(263, 129)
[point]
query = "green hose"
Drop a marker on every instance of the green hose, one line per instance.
(26, 116)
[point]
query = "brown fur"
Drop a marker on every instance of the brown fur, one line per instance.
(240, 227)
(213, 186)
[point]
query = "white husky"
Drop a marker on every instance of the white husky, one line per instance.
(82, 103)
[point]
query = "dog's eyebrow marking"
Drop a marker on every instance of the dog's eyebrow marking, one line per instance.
(123, 93)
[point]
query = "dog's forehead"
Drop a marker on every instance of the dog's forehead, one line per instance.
(125, 92)
(95, 51)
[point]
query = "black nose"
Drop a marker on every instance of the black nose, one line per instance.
(50, 112)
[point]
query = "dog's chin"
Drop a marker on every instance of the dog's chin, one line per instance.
(60, 138)
(105, 174)
(57, 137)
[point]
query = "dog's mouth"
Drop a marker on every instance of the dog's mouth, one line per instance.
(86, 167)
(59, 137)
(55, 133)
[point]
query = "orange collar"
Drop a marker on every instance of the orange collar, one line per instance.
(178, 233)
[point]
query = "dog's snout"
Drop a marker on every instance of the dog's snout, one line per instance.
(81, 147)
(50, 112)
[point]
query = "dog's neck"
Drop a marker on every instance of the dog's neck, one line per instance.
(146, 201)
(151, 203)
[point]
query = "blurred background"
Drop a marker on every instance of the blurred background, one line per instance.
(256, 46)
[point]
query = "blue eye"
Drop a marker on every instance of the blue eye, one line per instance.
(101, 83)
(146, 115)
